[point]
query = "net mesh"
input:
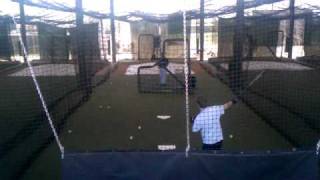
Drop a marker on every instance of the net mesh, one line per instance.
(25, 131)
(173, 49)
(170, 80)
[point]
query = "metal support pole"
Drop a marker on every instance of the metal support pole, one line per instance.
(79, 13)
(23, 27)
(188, 29)
(84, 78)
(201, 29)
(102, 40)
(113, 38)
(235, 67)
(291, 30)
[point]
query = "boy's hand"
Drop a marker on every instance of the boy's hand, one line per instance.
(235, 100)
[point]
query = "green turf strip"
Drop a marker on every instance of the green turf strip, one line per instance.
(116, 109)
(123, 109)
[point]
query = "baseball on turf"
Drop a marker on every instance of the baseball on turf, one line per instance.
(139, 127)
(230, 136)
(131, 137)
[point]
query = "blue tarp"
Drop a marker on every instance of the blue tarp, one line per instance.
(299, 165)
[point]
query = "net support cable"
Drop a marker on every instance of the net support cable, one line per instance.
(37, 86)
(186, 78)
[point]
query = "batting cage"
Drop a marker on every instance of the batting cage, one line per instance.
(195, 89)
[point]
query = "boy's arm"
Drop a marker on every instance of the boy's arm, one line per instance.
(228, 104)
(195, 125)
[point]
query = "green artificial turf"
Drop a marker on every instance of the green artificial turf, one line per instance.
(287, 99)
(5, 65)
(116, 109)
(20, 104)
(24, 128)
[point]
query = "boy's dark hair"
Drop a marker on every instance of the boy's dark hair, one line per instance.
(202, 102)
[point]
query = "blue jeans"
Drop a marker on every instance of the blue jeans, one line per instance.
(216, 146)
(163, 76)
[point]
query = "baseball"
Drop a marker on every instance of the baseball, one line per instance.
(69, 131)
(139, 127)
(230, 136)
(131, 137)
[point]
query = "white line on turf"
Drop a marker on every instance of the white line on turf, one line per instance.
(166, 147)
(175, 68)
(163, 117)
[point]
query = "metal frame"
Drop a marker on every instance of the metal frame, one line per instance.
(172, 40)
(139, 40)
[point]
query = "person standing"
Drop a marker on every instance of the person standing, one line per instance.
(208, 123)
(163, 64)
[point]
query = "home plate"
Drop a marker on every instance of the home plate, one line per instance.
(166, 147)
(163, 117)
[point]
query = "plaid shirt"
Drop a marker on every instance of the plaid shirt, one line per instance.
(208, 122)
